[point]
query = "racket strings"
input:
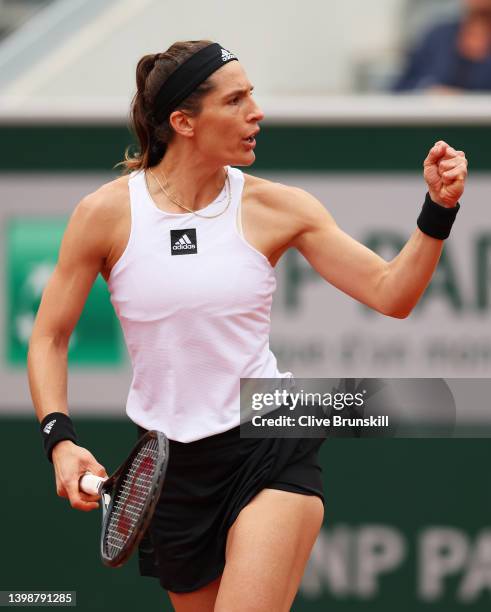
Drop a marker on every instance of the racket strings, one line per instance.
(131, 498)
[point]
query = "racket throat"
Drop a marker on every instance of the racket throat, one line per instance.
(106, 500)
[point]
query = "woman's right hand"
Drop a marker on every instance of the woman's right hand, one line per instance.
(71, 462)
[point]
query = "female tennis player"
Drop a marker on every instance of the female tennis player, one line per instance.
(187, 244)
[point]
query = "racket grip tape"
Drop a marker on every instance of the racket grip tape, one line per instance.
(91, 484)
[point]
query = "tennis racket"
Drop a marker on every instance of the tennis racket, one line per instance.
(129, 496)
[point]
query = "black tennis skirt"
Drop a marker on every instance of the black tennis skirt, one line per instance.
(207, 484)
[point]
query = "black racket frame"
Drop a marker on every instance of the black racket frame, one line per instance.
(111, 485)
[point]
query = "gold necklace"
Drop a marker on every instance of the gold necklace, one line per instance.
(172, 199)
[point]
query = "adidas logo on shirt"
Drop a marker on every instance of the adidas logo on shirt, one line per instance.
(183, 242)
(49, 426)
(227, 55)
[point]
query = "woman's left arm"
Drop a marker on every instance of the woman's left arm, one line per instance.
(392, 288)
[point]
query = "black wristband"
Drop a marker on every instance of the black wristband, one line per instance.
(435, 220)
(55, 427)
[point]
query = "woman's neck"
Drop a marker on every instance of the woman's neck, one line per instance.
(192, 180)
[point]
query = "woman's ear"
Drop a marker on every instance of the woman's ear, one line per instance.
(182, 123)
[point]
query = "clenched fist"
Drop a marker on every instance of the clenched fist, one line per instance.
(445, 171)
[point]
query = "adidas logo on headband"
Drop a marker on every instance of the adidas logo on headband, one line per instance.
(227, 55)
(186, 78)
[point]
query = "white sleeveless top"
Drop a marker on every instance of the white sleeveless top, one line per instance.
(194, 302)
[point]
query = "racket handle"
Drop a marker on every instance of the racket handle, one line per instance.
(91, 484)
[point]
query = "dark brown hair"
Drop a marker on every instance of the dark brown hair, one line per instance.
(151, 73)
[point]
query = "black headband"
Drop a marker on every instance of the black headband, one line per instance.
(184, 80)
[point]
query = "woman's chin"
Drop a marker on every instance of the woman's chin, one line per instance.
(244, 160)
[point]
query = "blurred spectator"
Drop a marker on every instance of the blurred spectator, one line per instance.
(453, 56)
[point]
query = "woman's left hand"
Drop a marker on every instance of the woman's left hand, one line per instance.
(445, 171)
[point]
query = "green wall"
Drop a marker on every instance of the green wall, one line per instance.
(82, 148)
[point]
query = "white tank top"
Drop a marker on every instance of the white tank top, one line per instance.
(194, 301)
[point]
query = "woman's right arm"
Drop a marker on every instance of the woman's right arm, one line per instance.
(83, 251)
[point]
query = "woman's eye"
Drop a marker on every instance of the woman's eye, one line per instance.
(234, 100)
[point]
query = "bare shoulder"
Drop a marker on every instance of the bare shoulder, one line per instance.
(272, 193)
(99, 225)
(107, 202)
(293, 203)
